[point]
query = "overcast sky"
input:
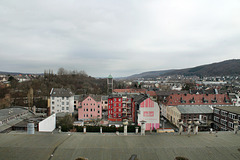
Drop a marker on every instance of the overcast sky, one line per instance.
(118, 37)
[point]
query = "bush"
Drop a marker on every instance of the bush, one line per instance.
(105, 129)
(181, 158)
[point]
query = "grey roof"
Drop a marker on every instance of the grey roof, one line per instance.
(70, 146)
(232, 109)
(80, 97)
(104, 98)
(140, 98)
(194, 109)
(61, 92)
(8, 112)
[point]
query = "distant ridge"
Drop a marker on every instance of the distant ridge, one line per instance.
(17, 73)
(228, 67)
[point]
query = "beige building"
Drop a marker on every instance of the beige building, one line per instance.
(173, 115)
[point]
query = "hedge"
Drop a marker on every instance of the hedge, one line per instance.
(106, 129)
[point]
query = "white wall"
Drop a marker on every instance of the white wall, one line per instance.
(48, 124)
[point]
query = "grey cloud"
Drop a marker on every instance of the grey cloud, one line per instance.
(118, 37)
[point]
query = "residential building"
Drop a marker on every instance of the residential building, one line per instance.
(147, 110)
(224, 117)
(235, 98)
(61, 100)
(90, 108)
(120, 107)
(194, 99)
(203, 113)
(105, 103)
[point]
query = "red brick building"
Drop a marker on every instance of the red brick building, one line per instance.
(121, 107)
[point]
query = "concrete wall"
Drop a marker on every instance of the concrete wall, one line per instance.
(48, 124)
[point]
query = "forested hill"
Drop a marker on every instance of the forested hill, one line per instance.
(228, 67)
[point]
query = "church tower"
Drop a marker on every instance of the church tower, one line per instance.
(109, 84)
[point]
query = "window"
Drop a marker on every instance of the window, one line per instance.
(98, 111)
(91, 115)
(233, 116)
(62, 98)
(52, 102)
(230, 115)
(114, 109)
(94, 109)
(119, 110)
(52, 108)
(119, 104)
(62, 108)
(119, 99)
(67, 98)
(84, 109)
(115, 104)
(230, 124)
(84, 115)
(62, 103)
(114, 99)
(98, 106)
(91, 109)
(87, 115)
(87, 109)
(114, 115)
(67, 108)
(91, 104)
(216, 111)
(67, 103)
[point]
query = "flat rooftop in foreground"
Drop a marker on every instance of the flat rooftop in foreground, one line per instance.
(94, 146)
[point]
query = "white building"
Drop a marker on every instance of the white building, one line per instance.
(235, 98)
(148, 111)
(61, 100)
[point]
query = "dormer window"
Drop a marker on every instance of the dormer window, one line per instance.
(204, 100)
(192, 100)
(182, 101)
(214, 100)
(226, 100)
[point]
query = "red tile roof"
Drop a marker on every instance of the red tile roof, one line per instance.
(197, 99)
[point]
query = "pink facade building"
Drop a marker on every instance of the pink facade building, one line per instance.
(90, 108)
(149, 111)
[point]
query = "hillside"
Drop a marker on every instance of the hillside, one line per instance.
(149, 74)
(228, 67)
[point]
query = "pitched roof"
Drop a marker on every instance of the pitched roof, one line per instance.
(197, 99)
(188, 109)
(140, 98)
(61, 92)
(97, 98)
